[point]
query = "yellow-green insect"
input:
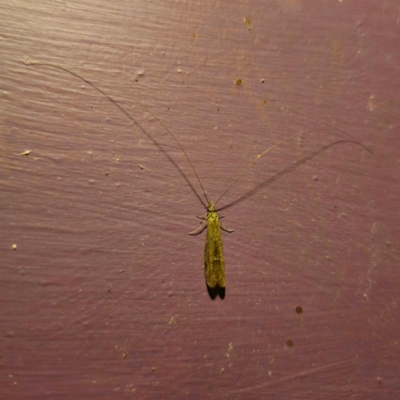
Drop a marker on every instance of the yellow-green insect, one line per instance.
(214, 263)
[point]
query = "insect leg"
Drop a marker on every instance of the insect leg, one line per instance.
(199, 229)
(226, 229)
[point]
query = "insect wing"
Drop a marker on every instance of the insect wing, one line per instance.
(214, 263)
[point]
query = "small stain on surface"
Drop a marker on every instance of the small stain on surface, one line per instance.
(239, 82)
(230, 349)
(299, 309)
(290, 343)
(247, 23)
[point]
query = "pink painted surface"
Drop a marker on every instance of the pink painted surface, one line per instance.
(104, 296)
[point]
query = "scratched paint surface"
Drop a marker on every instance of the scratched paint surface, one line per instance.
(104, 292)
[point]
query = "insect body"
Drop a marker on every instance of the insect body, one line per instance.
(214, 263)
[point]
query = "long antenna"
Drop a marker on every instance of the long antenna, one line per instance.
(27, 62)
(256, 159)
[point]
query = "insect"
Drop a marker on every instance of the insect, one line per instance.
(214, 263)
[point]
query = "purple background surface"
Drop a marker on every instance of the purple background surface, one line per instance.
(104, 296)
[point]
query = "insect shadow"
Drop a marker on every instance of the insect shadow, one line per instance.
(287, 170)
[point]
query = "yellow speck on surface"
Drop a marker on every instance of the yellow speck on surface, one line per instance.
(247, 23)
(239, 82)
(196, 34)
(14, 246)
(25, 153)
(141, 166)
(230, 348)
